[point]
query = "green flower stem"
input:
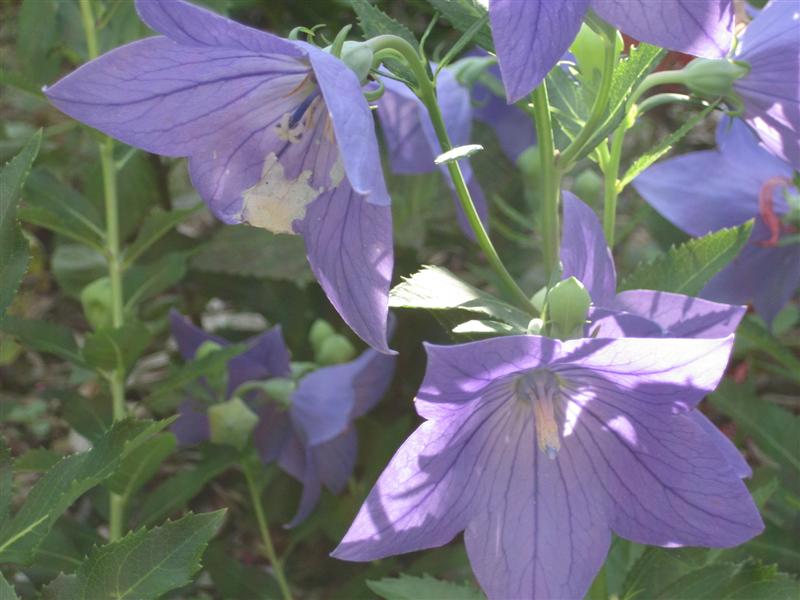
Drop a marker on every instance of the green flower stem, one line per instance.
(108, 167)
(269, 548)
(426, 91)
(611, 184)
(551, 180)
(600, 104)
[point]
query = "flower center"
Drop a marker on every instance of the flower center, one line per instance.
(766, 209)
(541, 389)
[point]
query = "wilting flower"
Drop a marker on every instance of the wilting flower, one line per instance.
(310, 433)
(770, 46)
(538, 449)
(634, 313)
(278, 135)
(705, 191)
(531, 36)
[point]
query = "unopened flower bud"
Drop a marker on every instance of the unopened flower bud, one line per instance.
(567, 308)
(279, 389)
(96, 302)
(320, 331)
(231, 423)
(713, 78)
(335, 350)
(358, 56)
(588, 186)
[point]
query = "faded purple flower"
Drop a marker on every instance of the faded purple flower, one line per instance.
(705, 191)
(531, 36)
(633, 313)
(539, 449)
(770, 45)
(313, 439)
(278, 135)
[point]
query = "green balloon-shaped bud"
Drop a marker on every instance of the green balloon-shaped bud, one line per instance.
(567, 308)
(588, 186)
(358, 56)
(589, 50)
(279, 389)
(713, 78)
(231, 423)
(320, 331)
(335, 350)
(96, 302)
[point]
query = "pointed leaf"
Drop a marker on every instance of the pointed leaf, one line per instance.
(14, 250)
(145, 281)
(6, 591)
(146, 564)
(109, 349)
(408, 587)
(685, 269)
(44, 337)
(462, 15)
(156, 225)
(141, 465)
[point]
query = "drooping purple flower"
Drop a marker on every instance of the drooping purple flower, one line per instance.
(539, 449)
(634, 313)
(770, 45)
(705, 191)
(411, 141)
(314, 439)
(531, 36)
(278, 135)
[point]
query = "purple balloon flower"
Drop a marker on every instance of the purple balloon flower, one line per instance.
(539, 449)
(314, 440)
(708, 190)
(278, 135)
(531, 36)
(634, 313)
(771, 90)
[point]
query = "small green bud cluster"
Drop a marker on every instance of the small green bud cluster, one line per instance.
(330, 348)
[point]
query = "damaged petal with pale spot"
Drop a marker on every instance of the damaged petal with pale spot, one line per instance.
(276, 202)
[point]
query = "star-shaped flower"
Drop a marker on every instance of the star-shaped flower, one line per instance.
(278, 135)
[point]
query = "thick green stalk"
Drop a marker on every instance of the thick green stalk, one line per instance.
(611, 185)
(551, 180)
(108, 167)
(425, 90)
(263, 527)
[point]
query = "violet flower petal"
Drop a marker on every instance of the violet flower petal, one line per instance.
(349, 247)
(682, 316)
(771, 90)
(728, 449)
(336, 460)
(610, 323)
(698, 28)
(192, 25)
(192, 425)
(530, 37)
(585, 253)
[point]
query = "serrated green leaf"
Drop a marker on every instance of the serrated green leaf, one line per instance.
(89, 416)
(6, 591)
(63, 586)
(75, 266)
(483, 328)
(36, 460)
(657, 568)
(44, 337)
(664, 146)
(374, 22)
(627, 75)
(773, 428)
(55, 206)
(235, 581)
(146, 564)
(181, 487)
(14, 250)
(437, 289)
(155, 225)
(280, 257)
(708, 582)
(567, 104)
(64, 483)
(685, 269)
(462, 15)
(141, 465)
(110, 349)
(407, 587)
(145, 281)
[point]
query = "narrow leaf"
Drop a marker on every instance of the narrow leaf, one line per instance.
(685, 269)
(44, 337)
(437, 289)
(141, 465)
(110, 349)
(6, 591)
(408, 587)
(157, 224)
(146, 564)
(14, 250)
(664, 146)
(462, 15)
(145, 281)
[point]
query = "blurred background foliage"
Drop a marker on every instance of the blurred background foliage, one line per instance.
(238, 280)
